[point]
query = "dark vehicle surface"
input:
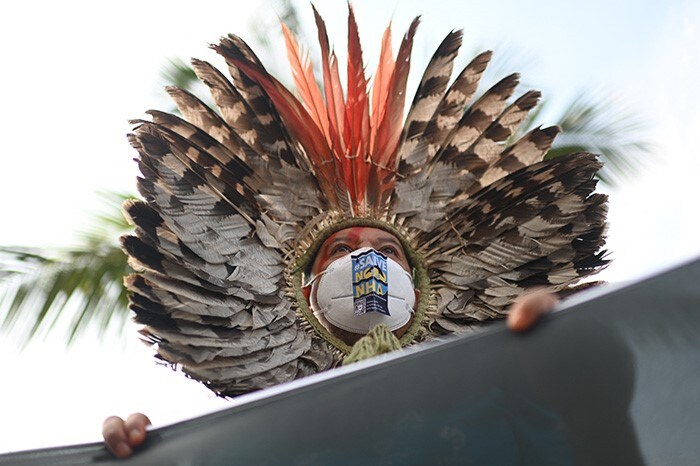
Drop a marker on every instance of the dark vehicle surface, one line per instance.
(613, 378)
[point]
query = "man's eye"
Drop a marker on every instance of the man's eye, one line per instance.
(342, 248)
(388, 250)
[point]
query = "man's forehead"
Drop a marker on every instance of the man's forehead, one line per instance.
(355, 237)
(350, 234)
(357, 234)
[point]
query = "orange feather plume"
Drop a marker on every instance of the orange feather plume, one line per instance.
(385, 69)
(303, 73)
(390, 127)
(351, 140)
(332, 87)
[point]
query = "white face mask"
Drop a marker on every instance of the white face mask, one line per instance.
(362, 290)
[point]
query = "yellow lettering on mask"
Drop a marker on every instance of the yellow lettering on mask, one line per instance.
(371, 273)
(370, 287)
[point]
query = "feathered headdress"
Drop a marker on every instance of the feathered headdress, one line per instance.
(237, 202)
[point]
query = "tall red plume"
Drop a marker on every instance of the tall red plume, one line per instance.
(380, 85)
(356, 132)
(303, 73)
(389, 129)
(298, 121)
(351, 144)
(332, 87)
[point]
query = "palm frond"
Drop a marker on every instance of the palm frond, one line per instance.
(600, 125)
(285, 11)
(178, 73)
(591, 122)
(75, 288)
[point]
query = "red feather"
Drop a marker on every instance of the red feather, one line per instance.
(382, 77)
(390, 127)
(351, 146)
(356, 116)
(332, 87)
(303, 73)
(297, 120)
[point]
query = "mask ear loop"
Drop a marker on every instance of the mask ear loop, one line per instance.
(410, 277)
(313, 283)
(314, 278)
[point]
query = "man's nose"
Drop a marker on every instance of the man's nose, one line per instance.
(365, 244)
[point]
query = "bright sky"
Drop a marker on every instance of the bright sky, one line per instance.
(75, 72)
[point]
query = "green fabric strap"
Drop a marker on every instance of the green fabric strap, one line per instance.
(379, 340)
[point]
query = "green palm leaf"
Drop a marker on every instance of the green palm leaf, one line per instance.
(602, 126)
(76, 288)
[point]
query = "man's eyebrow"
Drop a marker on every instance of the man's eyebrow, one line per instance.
(344, 238)
(392, 240)
(337, 239)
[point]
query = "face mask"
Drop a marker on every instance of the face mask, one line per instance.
(362, 290)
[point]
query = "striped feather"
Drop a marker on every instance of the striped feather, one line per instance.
(538, 219)
(418, 151)
(476, 120)
(430, 92)
(274, 137)
(530, 149)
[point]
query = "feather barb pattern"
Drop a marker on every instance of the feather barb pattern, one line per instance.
(351, 138)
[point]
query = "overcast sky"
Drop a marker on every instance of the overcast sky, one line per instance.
(74, 73)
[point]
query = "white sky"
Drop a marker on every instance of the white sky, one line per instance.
(75, 72)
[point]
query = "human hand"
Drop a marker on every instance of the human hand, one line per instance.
(122, 436)
(528, 308)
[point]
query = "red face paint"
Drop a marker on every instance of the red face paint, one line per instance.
(353, 234)
(344, 241)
